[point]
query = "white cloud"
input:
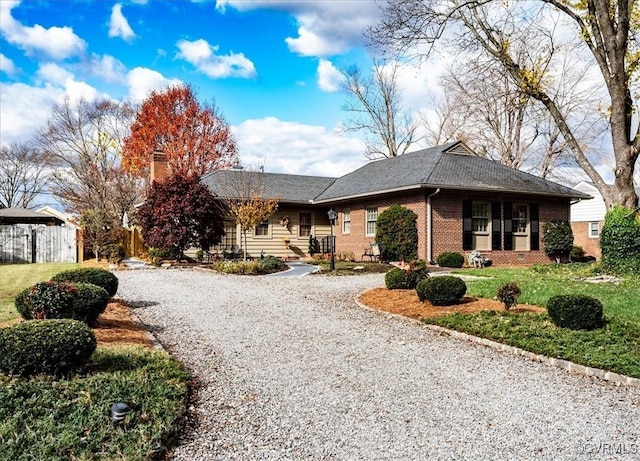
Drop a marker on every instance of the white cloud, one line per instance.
(294, 148)
(203, 56)
(54, 42)
(329, 78)
(119, 26)
(7, 66)
(54, 75)
(142, 81)
(108, 68)
(325, 28)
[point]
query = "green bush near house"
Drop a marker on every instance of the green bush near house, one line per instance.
(397, 234)
(272, 264)
(450, 259)
(97, 276)
(89, 301)
(45, 347)
(395, 279)
(620, 241)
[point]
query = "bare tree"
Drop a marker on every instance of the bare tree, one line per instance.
(522, 38)
(376, 108)
(25, 173)
(86, 140)
(242, 193)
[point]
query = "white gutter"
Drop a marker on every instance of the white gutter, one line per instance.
(430, 227)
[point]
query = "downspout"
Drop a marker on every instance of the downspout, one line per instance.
(430, 227)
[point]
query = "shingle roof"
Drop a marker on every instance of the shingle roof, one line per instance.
(438, 167)
(287, 187)
(441, 166)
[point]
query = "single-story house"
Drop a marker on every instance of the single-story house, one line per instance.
(463, 202)
(587, 218)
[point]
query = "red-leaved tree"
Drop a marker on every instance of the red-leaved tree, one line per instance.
(195, 137)
(179, 213)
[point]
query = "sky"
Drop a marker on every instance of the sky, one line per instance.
(272, 67)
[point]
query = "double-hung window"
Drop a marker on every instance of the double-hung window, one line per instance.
(304, 228)
(262, 229)
(371, 216)
(346, 221)
(594, 230)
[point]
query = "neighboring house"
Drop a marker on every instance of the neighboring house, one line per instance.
(28, 236)
(463, 202)
(587, 218)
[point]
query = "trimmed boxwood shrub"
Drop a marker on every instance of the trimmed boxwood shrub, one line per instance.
(45, 346)
(101, 277)
(417, 272)
(577, 312)
(46, 300)
(441, 291)
(89, 301)
(395, 279)
(450, 259)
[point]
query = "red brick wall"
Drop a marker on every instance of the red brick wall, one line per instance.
(159, 167)
(591, 246)
(447, 223)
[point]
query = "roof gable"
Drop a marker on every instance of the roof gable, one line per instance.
(449, 166)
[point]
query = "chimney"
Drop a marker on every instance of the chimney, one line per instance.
(159, 167)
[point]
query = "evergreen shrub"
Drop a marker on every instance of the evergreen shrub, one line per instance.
(576, 312)
(450, 259)
(441, 291)
(45, 347)
(95, 275)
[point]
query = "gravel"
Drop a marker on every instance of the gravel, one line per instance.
(292, 368)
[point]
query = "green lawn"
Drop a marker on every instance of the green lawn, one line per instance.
(615, 347)
(65, 418)
(346, 267)
(16, 277)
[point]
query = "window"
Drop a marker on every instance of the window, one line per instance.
(371, 218)
(305, 225)
(594, 230)
(480, 217)
(346, 221)
(262, 229)
(229, 235)
(520, 219)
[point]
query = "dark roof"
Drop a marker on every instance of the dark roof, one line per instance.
(287, 187)
(449, 166)
(440, 167)
(24, 216)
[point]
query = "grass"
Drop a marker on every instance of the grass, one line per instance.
(615, 347)
(62, 419)
(68, 418)
(16, 277)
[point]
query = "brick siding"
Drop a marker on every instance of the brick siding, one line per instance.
(447, 223)
(591, 246)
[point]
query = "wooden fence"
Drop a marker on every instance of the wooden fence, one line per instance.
(37, 244)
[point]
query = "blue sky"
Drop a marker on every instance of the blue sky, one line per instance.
(270, 66)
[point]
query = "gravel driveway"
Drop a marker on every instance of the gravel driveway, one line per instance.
(292, 368)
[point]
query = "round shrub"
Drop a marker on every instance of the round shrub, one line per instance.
(450, 259)
(89, 301)
(577, 312)
(45, 346)
(441, 291)
(101, 277)
(46, 300)
(395, 279)
(272, 264)
(508, 294)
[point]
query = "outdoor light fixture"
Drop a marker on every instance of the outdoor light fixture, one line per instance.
(332, 219)
(119, 411)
